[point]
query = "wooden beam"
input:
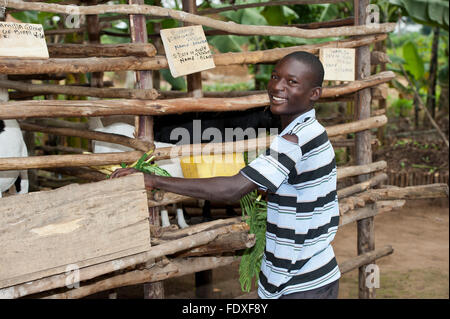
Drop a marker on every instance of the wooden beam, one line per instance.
(30, 109)
(137, 144)
(80, 172)
(265, 4)
(378, 92)
(90, 272)
(364, 259)
(94, 64)
(57, 50)
(356, 188)
(14, 163)
(168, 268)
(74, 160)
(60, 148)
(379, 57)
(356, 170)
(208, 22)
(80, 90)
(55, 108)
(411, 192)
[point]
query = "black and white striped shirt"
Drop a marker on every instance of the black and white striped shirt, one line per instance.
(302, 209)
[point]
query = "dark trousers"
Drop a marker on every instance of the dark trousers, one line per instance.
(329, 291)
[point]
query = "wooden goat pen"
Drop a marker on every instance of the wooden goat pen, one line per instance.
(179, 252)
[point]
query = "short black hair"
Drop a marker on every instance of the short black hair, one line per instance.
(312, 61)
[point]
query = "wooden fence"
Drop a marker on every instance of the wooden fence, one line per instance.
(359, 202)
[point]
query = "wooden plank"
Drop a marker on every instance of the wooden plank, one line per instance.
(43, 232)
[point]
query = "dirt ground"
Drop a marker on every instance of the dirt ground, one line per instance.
(418, 268)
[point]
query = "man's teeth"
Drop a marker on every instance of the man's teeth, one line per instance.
(278, 98)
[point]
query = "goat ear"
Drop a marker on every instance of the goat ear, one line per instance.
(2, 126)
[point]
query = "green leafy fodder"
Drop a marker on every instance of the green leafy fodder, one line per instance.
(254, 213)
(146, 166)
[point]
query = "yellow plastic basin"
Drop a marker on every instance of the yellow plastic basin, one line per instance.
(204, 166)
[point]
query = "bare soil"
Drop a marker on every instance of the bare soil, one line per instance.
(418, 268)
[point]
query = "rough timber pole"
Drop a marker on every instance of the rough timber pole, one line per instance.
(365, 229)
(203, 279)
(4, 97)
(93, 26)
(96, 79)
(144, 128)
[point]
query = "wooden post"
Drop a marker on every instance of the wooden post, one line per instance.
(203, 279)
(92, 22)
(4, 97)
(144, 128)
(365, 227)
(382, 103)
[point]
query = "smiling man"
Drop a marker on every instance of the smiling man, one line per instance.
(298, 172)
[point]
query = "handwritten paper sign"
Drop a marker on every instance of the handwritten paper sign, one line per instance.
(339, 64)
(22, 40)
(187, 50)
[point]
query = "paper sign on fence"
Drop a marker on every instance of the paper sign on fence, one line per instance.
(187, 50)
(339, 64)
(22, 40)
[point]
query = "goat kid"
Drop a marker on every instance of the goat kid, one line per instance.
(12, 145)
(170, 165)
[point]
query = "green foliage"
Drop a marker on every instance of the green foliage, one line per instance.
(227, 43)
(250, 16)
(178, 84)
(340, 155)
(37, 17)
(307, 13)
(428, 12)
(254, 213)
(443, 75)
(145, 165)
(222, 87)
(335, 11)
(279, 15)
(263, 74)
(414, 63)
(402, 107)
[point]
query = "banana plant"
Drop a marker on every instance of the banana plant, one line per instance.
(427, 12)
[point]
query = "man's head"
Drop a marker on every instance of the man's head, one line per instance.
(295, 84)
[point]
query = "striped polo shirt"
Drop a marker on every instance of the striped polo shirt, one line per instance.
(302, 209)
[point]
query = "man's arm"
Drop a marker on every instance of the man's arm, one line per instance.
(226, 189)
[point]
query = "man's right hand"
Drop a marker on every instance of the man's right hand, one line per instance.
(120, 172)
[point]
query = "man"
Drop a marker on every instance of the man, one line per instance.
(298, 172)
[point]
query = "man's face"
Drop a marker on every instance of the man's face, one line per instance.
(291, 88)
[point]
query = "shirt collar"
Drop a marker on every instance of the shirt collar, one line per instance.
(299, 119)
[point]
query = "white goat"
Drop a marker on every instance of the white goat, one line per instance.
(170, 165)
(12, 145)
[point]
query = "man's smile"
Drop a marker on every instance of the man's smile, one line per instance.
(278, 99)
